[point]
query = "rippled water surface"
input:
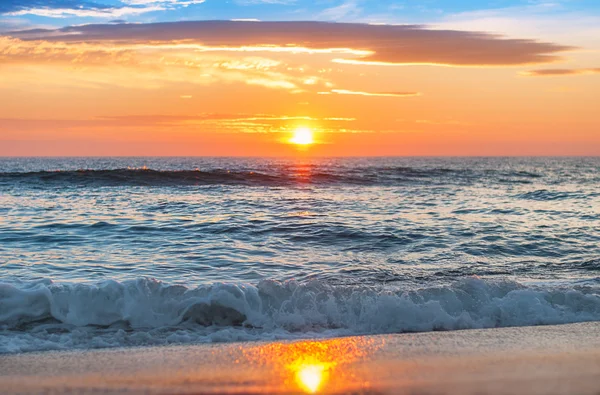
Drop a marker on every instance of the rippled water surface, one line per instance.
(126, 251)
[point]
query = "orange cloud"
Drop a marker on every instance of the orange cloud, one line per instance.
(386, 44)
(156, 63)
(559, 72)
(380, 94)
(230, 123)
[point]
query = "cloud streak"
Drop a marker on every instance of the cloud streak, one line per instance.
(157, 65)
(366, 44)
(375, 94)
(207, 122)
(18, 6)
(560, 72)
(76, 8)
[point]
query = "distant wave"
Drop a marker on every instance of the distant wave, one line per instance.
(142, 177)
(279, 177)
(43, 315)
(546, 195)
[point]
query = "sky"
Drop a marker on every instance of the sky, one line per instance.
(239, 77)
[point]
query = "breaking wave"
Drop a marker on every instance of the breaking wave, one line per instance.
(47, 316)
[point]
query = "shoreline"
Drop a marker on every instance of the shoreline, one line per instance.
(562, 359)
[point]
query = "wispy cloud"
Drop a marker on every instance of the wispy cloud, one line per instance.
(255, 2)
(12, 24)
(156, 65)
(546, 20)
(347, 9)
(14, 6)
(91, 12)
(559, 72)
(375, 44)
(213, 122)
(377, 94)
(76, 8)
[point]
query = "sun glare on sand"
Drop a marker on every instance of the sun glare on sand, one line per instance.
(309, 377)
(311, 367)
(302, 136)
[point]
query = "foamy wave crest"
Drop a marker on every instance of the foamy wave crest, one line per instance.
(45, 316)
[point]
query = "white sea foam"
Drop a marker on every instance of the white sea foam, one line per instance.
(45, 316)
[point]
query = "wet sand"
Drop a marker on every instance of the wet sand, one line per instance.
(561, 359)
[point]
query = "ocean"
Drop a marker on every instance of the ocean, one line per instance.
(121, 252)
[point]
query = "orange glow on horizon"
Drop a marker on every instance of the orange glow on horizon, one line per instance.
(237, 95)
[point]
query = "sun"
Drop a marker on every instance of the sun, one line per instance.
(302, 136)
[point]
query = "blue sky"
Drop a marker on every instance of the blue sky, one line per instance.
(25, 13)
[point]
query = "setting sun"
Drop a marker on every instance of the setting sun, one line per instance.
(302, 136)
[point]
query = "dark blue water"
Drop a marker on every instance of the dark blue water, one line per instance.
(100, 252)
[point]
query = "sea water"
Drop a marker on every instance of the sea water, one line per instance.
(113, 252)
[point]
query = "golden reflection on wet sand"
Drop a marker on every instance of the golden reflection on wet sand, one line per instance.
(310, 377)
(316, 366)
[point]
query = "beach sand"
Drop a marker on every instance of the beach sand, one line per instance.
(561, 359)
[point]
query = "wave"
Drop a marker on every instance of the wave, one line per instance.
(283, 176)
(142, 177)
(44, 315)
(546, 195)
